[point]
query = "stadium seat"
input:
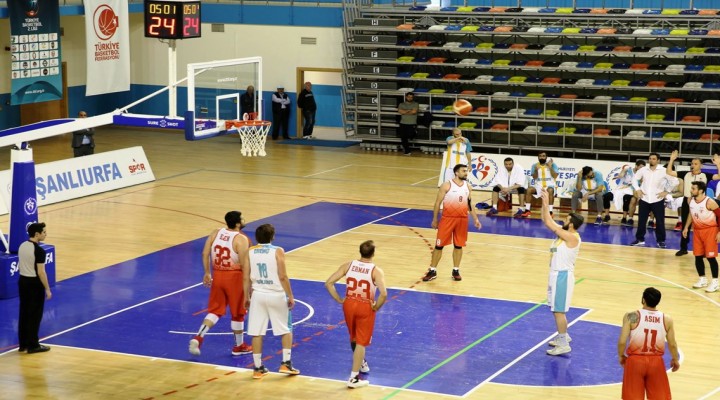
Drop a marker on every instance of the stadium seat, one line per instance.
(589, 31)
(518, 46)
(467, 125)
(569, 47)
(639, 66)
(709, 137)
(566, 130)
(620, 82)
(533, 79)
(452, 76)
(500, 78)
(599, 11)
(500, 127)
(420, 75)
(621, 66)
(534, 95)
(437, 27)
(516, 112)
(618, 117)
(484, 78)
(504, 28)
(602, 98)
(550, 113)
(636, 134)
(606, 31)
(501, 62)
(405, 59)
(585, 82)
(639, 99)
(642, 31)
(569, 64)
(470, 28)
(535, 63)
(603, 65)
(438, 91)
(679, 32)
(638, 83)
(584, 114)
(636, 117)
(517, 63)
(671, 136)
(692, 119)
(481, 9)
(675, 100)
(570, 30)
(469, 92)
(549, 129)
(518, 79)
(551, 80)
(437, 60)
(655, 117)
(501, 94)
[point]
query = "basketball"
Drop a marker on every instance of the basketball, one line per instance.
(462, 107)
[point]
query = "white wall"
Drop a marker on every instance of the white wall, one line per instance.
(279, 46)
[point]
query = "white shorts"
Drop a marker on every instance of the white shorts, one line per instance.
(269, 307)
(673, 203)
(449, 174)
(538, 190)
(560, 290)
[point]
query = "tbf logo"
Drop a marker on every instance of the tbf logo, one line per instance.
(14, 268)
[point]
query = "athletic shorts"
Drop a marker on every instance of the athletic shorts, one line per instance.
(272, 308)
(560, 290)
(705, 242)
(227, 291)
(645, 374)
(452, 230)
(538, 190)
(360, 320)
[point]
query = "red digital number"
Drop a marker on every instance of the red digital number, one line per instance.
(353, 284)
(190, 26)
(221, 257)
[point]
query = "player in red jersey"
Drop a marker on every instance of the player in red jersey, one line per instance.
(641, 347)
(359, 305)
(224, 246)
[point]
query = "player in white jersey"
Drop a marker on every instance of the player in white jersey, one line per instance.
(544, 173)
(458, 152)
(269, 297)
(454, 196)
(563, 253)
(704, 213)
(224, 246)
(363, 279)
(641, 347)
(624, 195)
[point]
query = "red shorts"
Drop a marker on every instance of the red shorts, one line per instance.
(360, 320)
(645, 373)
(227, 291)
(705, 242)
(452, 230)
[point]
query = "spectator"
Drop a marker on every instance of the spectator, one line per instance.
(408, 111)
(83, 143)
(507, 179)
(623, 194)
(590, 185)
(281, 113)
(248, 103)
(306, 102)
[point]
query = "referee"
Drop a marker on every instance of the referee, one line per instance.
(34, 288)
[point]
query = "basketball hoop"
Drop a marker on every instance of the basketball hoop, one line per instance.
(253, 135)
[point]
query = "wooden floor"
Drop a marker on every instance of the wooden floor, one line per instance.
(198, 182)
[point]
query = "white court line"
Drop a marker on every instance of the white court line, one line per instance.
(707, 396)
(424, 180)
(391, 167)
(329, 170)
(193, 286)
(519, 358)
(310, 315)
(239, 369)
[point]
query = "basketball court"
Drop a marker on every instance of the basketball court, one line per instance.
(129, 293)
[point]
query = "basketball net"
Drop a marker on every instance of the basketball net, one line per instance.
(253, 134)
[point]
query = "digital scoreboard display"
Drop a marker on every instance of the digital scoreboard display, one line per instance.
(172, 19)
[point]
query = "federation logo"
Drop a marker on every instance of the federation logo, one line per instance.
(32, 7)
(105, 22)
(483, 172)
(30, 206)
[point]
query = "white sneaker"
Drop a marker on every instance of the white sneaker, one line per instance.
(364, 367)
(714, 286)
(558, 350)
(356, 382)
(194, 347)
(701, 283)
(555, 341)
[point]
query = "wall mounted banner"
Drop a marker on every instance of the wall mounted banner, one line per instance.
(36, 74)
(107, 39)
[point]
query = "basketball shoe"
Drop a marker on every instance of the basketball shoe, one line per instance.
(356, 382)
(558, 350)
(651, 225)
(491, 212)
(194, 346)
(701, 283)
(242, 349)
(554, 342)
(519, 213)
(430, 275)
(527, 214)
(259, 372)
(364, 367)
(456, 275)
(287, 368)
(678, 226)
(713, 286)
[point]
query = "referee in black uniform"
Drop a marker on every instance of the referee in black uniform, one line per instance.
(34, 289)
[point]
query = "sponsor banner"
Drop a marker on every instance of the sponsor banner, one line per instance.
(485, 166)
(107, 40)
(35, 67)
(11, 271)
(149, 121)
(84, 176)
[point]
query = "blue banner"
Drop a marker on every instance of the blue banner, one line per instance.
(36, 69)
(23, 204)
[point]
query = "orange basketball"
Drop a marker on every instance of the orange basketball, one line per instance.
(462, 107)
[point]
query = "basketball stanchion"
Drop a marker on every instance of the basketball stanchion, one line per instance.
(253, 134)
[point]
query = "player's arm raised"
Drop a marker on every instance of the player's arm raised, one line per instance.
(378, 277)
(570, 240)
(672, 343)
(207, 278)
(444, 188)
(630, 319)
(336, 276)
(284, 279)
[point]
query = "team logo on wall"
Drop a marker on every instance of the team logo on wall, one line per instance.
(483, 172)
(105, 22)
(30, 206)
(33, 8)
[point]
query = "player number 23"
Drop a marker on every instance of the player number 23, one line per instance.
(353, 284)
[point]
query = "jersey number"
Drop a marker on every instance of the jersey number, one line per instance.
(653, 334)
(262, 270)
(353, 284)
(222, 257)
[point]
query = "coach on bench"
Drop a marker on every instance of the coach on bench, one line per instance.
(507, 179)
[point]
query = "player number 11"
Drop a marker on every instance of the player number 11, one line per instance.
(653, 339)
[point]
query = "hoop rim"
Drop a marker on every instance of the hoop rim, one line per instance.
(248, 123)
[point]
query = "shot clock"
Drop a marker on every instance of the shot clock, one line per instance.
(172, 19)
